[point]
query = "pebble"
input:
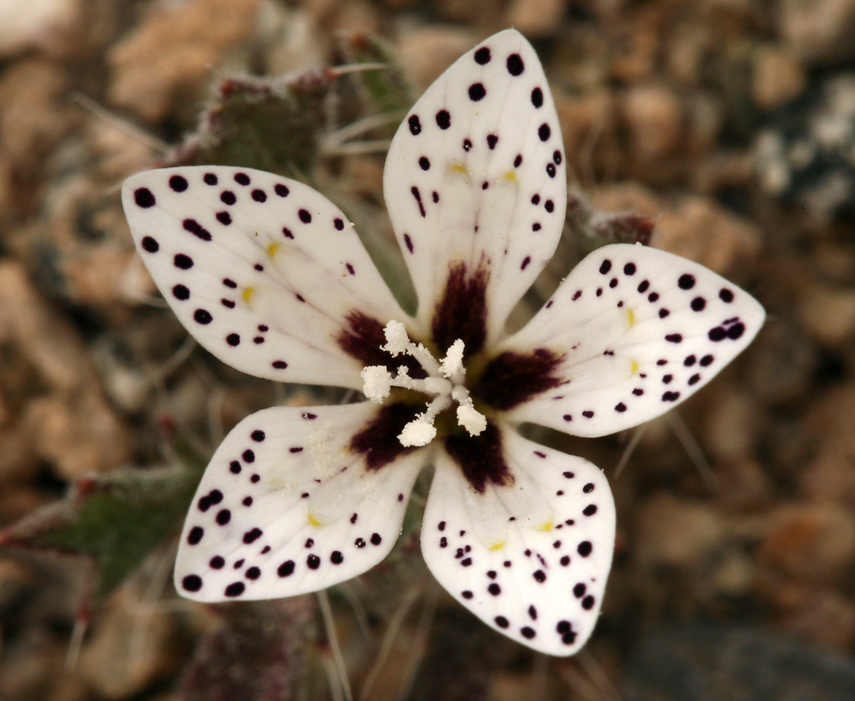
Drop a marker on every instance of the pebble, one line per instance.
(819, 31)
(40, 24)
(130, 646)
(425, 52)
(696, 662)
(828, 314)
(699, 229)
(536, 18)
(654, 119)
(170, 55)
(810, 543)
(777, 77)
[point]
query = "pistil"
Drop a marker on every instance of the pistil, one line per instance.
(444, 385)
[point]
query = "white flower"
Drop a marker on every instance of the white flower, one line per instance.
(268, 275)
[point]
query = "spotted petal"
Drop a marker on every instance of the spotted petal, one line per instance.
(296, 500)
(529, 558)
(633, 332)
(266, 273)
(476, 189)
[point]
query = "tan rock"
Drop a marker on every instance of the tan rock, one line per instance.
(589, 128)
(828, 314)
(425, 52)
(78, 434)
(49, 343)
(675, 532)
(703, 231)
(812, 543)
(777, 77)
(129, 647)
(536, 18)
(830, 476)
(170, 55)
(36, 23)
(654, 118)
(627, 196)
(824, 617)
(818, 31)
(731, 425)
(33, 117)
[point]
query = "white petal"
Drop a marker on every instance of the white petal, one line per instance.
(530, 559)
(288, 506)
(640, 331)
(453, 143)
(266, 275)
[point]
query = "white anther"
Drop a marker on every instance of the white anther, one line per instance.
(377, 381)
(452, 364)
(397, 339)
(417, 433)
(471, 419)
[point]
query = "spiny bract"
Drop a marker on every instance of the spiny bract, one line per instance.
(270, 277)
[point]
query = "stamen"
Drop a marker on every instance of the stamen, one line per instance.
(444, 384)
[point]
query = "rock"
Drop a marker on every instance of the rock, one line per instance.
(731, 426)
(777, 77)
(822, 616)
(129, 648)
(35, 24)
(589, 126)
(33, 115)
(701, 230)
(170, 55)
(536, 18)
(710, 663)
(828, 314)
(819, 31)
(782, 362)
(79, 434)
(425, 52)
(654, 119)
(829, 477)
(810, 543)
(629, 196)
(675, 532)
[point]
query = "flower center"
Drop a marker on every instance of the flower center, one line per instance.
(443, 385)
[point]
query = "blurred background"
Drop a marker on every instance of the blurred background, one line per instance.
(725, 127)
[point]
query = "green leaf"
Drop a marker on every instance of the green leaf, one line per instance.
(116, 519)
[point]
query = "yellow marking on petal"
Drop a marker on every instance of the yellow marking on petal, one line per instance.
(272, 248)
(546, 526)
(510, 175)
(457, 168)
(247, 294)
(630, 318)
(497, 546)
(634, 367)
(313, 521)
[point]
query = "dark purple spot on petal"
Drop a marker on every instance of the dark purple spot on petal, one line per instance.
(150, 245)
(144, 198)
(515, 65)
(192, 582)
(477, 92)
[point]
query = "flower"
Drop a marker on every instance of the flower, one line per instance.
(268, 276)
